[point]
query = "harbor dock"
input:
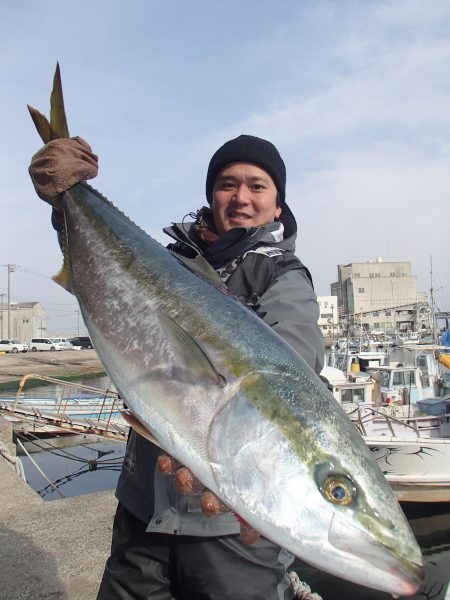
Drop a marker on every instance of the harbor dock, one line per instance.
(62, 364)
(52, 550)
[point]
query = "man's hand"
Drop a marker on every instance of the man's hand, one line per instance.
(59, 165)
(186, 483)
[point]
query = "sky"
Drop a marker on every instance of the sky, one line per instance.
(354, 94)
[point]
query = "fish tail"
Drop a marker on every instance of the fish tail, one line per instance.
(52, 130)
(57, 126)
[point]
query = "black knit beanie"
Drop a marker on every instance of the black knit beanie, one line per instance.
(247, 148)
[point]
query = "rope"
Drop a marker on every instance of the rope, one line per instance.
(302, 591)
(15, 461)
(39, 469)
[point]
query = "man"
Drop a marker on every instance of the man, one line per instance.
(163, 546)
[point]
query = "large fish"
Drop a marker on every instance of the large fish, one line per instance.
(224, 394)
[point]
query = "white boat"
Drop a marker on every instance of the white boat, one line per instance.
(412, 446)
(412, 451)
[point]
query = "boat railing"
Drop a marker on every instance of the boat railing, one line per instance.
(72, 408)
(361, 416)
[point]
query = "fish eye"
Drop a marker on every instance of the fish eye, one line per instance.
(338, 490)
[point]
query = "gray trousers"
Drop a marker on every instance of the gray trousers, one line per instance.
(169, 567)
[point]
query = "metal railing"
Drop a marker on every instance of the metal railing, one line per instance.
(361, 416)
(76, 407)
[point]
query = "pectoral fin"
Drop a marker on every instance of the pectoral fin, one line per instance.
(201, 267)
(191, 355)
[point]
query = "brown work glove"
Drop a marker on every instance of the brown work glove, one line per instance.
(59, 165)
(186, 483)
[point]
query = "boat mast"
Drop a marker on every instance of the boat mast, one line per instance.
(433, 319)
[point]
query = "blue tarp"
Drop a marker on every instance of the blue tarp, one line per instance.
(445, 338)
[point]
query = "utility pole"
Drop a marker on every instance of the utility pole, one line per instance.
(1, 321)
(11, 269)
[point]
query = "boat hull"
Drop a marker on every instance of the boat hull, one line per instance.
(417, 469)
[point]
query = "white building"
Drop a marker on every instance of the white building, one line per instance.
(22, 321)
(328, 319)
(380, 295)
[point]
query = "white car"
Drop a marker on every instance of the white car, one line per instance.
(12, 346)
(64, 342)
(44, 344)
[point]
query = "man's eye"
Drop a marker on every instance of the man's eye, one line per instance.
(227, 185)
(258, 186)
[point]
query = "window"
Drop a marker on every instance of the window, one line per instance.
(355, 395)
(376, 325)
(384, 378)
(375, 313)
(360, 290)
(421, 362)
(356, 275)
(403, 378)
(388, 313)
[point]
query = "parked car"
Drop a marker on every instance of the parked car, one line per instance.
(83, 341)
(64, 342)
(12, 346)
(44, 344)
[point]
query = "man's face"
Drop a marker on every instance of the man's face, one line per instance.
(244, 195)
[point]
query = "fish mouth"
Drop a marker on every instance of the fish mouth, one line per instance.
(406, 574)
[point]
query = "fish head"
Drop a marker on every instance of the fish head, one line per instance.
(289, 443)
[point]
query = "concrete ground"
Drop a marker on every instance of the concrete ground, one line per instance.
(50, 550)
(52, 364)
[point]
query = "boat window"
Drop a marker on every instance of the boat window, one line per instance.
(399, 378)
(421, 361)
(352, 395)
(410, 378)
(384, 378)
(404, 378)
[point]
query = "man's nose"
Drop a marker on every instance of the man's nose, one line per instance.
(242, 193)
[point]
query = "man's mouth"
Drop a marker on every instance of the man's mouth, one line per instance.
(239, 216)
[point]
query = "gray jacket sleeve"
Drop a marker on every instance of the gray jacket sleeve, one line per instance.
(290, 307)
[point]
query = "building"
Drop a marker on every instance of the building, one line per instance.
(380, 295)
(328, 319)
(22, 321)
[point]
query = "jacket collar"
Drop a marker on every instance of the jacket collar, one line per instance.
(235, 242)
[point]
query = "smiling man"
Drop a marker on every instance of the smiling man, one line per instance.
(163, 546)
(244, 196)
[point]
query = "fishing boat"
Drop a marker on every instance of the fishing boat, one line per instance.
(412, 450)
(407, 430)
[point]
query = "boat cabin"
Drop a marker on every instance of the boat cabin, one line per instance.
(358, 361)
(399, 385)
(350, 391)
